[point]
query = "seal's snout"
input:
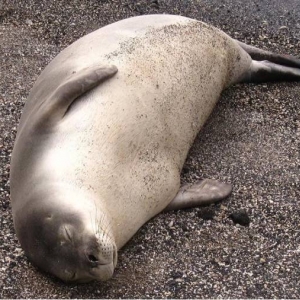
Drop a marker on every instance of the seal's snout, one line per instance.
(96, 264)
(101, 255)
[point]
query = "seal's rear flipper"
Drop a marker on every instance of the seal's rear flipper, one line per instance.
(259, 55)
(57, 104)
(268, 66)
(204, 192)
(263, 71)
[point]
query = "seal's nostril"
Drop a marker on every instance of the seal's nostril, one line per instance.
(92, 258)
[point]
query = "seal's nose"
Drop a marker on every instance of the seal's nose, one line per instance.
(93, 260)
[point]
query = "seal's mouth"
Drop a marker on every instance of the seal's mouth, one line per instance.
(105, 271)
(101, 273)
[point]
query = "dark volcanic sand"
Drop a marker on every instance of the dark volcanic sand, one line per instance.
(251, 140)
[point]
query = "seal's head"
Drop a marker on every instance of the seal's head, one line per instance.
(69, 241)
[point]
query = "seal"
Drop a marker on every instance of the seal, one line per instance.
(106, 130)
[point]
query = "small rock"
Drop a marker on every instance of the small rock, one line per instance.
(283, 27)
(29, 22)
(223, 207)
(155, 3)
(240, 217)
(262, 260)
(177, 274)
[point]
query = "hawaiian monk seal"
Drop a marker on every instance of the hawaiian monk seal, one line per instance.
(106, 130)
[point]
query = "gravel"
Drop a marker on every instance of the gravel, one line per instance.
(251, 140)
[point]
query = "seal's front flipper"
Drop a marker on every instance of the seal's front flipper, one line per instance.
(204, 192)
(263, 71)
(56, 105)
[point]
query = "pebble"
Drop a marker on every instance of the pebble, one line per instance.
(240, 217)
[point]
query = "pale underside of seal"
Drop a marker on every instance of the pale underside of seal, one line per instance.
(106, 130)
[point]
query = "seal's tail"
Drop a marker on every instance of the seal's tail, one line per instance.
(268, 66)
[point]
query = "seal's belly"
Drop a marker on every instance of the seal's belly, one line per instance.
(128, 145)
(127, 139)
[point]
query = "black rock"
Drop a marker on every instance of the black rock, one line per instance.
(240, 217)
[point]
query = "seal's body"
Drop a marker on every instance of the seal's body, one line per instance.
(105, 132)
